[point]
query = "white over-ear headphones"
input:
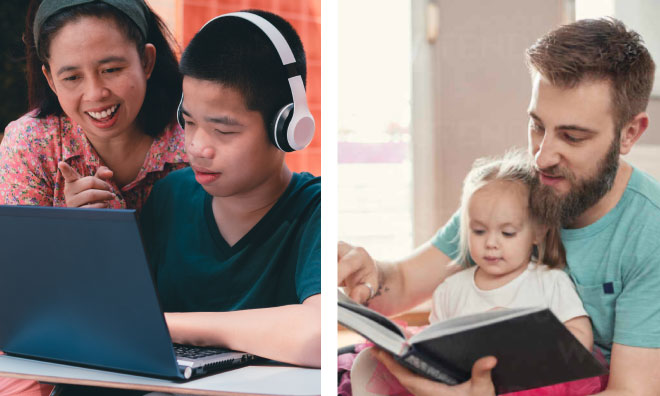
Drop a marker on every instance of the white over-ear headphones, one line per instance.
(293, 126)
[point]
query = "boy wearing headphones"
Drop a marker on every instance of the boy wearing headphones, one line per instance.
(234, 240)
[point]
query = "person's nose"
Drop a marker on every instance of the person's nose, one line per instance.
(491, 240)
(198, 144)
(95, 89)
(546, 152)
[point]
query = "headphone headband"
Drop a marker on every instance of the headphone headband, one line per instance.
(293, 129)
(275, 36)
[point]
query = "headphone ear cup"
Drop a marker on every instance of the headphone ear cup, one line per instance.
(280, 127)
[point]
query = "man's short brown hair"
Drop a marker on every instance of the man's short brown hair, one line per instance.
(595, 49)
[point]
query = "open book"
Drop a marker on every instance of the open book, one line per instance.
(533, 348)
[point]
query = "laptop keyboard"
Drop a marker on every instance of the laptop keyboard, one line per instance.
(195, 352)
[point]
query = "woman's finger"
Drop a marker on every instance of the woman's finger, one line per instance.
(70, 175)
(89, 183)
(97, 205)
(103, 172)
(92, 196)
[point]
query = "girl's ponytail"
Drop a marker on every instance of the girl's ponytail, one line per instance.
(551, 250)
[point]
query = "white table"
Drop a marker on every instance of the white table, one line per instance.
(250, 380)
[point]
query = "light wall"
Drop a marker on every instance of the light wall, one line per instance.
(479, 91)
(652, 135)
(640, 16)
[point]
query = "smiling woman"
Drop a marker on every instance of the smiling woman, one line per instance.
(103, 88)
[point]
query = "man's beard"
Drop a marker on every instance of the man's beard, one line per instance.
(553, 209)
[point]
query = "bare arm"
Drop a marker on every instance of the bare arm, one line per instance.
(400, 285)
(581, 329)
(412, 280)
(290, 333)
(634, 371)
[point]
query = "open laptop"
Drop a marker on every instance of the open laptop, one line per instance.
(75, 287)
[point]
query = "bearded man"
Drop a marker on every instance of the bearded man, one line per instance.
(591, 82)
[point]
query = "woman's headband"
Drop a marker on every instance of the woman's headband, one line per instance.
(134, 9)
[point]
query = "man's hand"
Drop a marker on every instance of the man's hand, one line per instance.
(480, 384)
(397, 285)
(356, 271)
(89, 191)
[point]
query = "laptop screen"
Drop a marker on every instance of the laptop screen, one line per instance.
(75, 287)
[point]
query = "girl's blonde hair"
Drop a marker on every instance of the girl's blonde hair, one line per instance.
(515, 166)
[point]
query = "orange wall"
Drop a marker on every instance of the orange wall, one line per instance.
(305, 16)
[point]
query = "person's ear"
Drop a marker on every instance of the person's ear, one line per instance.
(149, 59)
(632, 131)
(49, 78)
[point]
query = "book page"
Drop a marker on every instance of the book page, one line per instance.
(346, 302)
(372, 325)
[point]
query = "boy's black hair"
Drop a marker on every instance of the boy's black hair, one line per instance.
(236, 53)
(163, 87)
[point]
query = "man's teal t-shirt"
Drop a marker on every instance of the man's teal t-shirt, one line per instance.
(614, 263)
(278, 262)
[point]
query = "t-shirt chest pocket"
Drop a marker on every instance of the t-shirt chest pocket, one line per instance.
(600, 301)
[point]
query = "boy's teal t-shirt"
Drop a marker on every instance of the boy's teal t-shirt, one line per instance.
(614, 263)
(278, 262)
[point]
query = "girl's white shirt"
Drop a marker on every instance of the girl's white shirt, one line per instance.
(538, 285)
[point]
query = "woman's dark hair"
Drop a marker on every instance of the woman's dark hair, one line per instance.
(236, 53)
(163, 87)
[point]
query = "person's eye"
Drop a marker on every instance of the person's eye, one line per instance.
(225, 132)
(508, 234)
(572, 138)
(478, 232)
(112, 70)
(71, 78)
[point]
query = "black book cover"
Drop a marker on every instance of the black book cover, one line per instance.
(533, 348)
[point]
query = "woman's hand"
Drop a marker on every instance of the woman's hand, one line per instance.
(357, 272)
(480, 384)
(88, 191)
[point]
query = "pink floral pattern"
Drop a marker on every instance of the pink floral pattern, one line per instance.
(32, 147)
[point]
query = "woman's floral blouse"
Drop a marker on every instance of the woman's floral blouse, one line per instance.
(32, 147)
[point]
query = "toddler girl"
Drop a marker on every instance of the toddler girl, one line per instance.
(501, 242)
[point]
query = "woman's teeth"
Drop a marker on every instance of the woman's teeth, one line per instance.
(103, 114)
